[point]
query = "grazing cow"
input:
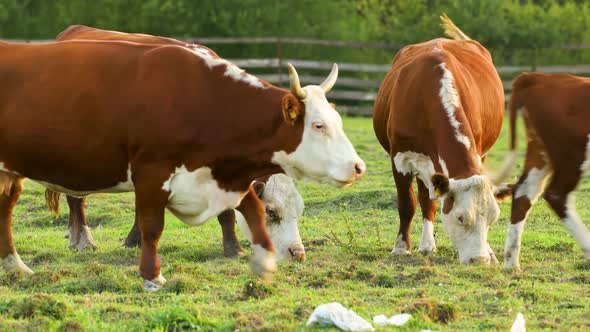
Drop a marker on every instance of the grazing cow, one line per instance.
(437, 113)
(182, 128)
(81, 238)
(283, 208)
(557, 121)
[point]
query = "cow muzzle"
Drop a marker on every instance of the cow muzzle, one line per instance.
(297, 253)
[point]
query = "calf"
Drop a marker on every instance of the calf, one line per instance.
(182, 128)
(557, 122)
(437, 113)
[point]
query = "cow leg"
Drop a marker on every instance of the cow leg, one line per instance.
(133, 239)
(231, 246)
(150, 205)
(406, 206)
(561, 197)
(263, 261)
(428, 207)
(10, 189)
(525, 193)
(79, 232)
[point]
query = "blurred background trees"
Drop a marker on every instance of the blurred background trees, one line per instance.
(514, 30)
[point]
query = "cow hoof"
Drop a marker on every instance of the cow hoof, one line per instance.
(154, 284)
(233, 252)
(131, 243)
(263, 262)
(427, 250)
(493, 259)
(13, 263)
(400, 252)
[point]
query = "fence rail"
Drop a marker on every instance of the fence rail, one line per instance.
(353, 95)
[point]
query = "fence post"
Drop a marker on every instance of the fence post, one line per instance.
(279, 61)
(534, 65)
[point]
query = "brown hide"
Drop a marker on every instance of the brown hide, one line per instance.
(408, 114)
(78, 113)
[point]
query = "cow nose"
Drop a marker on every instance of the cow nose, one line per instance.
(360, 168)
(481, 260)
(297, 253)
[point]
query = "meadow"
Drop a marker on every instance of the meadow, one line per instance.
(348, 235)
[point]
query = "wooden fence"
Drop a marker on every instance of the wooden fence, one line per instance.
(352, 94)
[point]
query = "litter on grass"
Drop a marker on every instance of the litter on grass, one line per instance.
(335, 314)
(518, 325)
(397, 320)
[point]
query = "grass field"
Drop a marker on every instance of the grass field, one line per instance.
(348, 235)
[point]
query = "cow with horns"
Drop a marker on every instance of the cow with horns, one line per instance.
(183, 129)
(283, 204)
(438, 111)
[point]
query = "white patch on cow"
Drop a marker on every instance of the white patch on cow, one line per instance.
(443, 166)
(324, 155)
(262, 262)
(418, 164)
(533, 185)
(513, 245)
(13, 263)
(231, 70)
(83, 240)
(427, 243)
(474, 210)
(400, 247)
(154, 284)
(586, 164)
(121, 187)
(450, 101)
(575, 226)
(195, 196)
(280, 195)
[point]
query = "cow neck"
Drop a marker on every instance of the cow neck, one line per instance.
(453, 156)
(265, 132)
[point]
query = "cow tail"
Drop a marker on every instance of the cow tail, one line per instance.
(451, 30)
(516, 103)
(52, 201)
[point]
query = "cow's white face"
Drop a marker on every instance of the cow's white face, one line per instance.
(325, 154)
(469, 208)
(283, 208)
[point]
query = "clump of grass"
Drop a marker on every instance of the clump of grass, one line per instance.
(255, 289)
(36, 305)
(71, 326)
(431, 310)
(252, 322)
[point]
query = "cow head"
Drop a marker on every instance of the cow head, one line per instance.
(325, 154)
(469, 207)
(283, 207)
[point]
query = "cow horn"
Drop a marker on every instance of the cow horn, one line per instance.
(294, 82)
(331, 80)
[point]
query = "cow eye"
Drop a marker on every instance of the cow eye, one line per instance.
(319, 126)
(271, 213)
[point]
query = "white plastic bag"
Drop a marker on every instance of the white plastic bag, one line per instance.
(397, 320)
(335, 314)
(518, 325)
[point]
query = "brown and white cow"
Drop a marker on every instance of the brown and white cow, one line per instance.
(183, 129)
(557, 121)
(283, 207)
(282, 188)
(437, 113)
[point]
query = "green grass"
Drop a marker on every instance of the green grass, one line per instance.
(348, 235)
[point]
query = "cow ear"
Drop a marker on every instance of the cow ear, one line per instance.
(440, 183)
(258, 188)
(291, 108)
(503, 191)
